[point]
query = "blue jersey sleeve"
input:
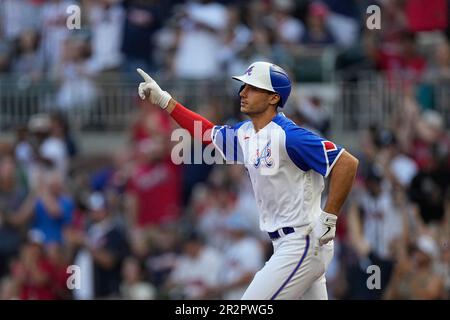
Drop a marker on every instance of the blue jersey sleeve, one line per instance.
(310, 151)
(225, 139)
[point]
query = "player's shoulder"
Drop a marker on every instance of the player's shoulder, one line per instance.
(290, 127)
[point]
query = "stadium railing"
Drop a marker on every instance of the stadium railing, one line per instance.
(110, 105)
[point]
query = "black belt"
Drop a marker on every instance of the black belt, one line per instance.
(276, 234)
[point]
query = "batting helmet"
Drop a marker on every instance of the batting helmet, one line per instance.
(268, 76)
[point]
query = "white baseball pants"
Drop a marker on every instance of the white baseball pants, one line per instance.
(296, 270)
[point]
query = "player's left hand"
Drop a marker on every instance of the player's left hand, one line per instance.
(324, 228)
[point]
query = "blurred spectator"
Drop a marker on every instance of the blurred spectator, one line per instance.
(317, 32)
(236, 36)
(417, 280)
(29, 61)
(315, 114)
(221, 205)
(201, 25)
(439, 68)
(12, 195)
(102, 249)
(17, 16)
(148, 122)
(23, 150)
(48, 146)
(403, 64)
(402, 167)
(377, 214)
(59, 264)
(61, 130)
(142, 20)
(196, 270)
(431, 141)
(75, 76)
(54, 30)
(444, 269)
(133, 287)
(160, 252)
(106, 18)
(424, 15)
(289, 29)
(429, 188)
(5, 57)
(112, 178)
(9, 289)
(48, 208)
(33, 271)
(243, 257)
(343, 20)
(153, 190)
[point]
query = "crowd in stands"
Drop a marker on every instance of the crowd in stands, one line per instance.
(139, 226)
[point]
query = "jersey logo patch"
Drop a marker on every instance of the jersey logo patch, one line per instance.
(329, 146)
(263, 157)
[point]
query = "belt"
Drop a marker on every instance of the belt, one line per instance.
(280, 232)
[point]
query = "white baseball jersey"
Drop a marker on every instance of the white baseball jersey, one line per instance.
(286, 165)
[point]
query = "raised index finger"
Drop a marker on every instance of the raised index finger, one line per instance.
(144, 75)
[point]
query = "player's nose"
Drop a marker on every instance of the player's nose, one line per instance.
(243, 91)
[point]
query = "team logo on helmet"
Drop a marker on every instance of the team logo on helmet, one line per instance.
(249, 71)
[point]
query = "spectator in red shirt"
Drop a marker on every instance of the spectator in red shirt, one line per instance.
(59, 264)
(153, 191)
(33, 271)
(149, 121)
(403, 63)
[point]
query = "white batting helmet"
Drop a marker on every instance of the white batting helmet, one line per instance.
(268, 76)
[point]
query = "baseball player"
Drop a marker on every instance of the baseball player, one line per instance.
(287, 165)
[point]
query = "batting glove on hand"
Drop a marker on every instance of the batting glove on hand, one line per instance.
(151, 89)
(324, 228)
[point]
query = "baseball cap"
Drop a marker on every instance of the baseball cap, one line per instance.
(267, 76)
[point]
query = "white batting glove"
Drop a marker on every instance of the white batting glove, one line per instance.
(324, 228)
(151, 89)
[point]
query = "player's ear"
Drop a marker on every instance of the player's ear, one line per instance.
(275, 99)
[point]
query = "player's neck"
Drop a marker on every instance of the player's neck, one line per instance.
(263, 119)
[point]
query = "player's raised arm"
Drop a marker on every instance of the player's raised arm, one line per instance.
(185, 118)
